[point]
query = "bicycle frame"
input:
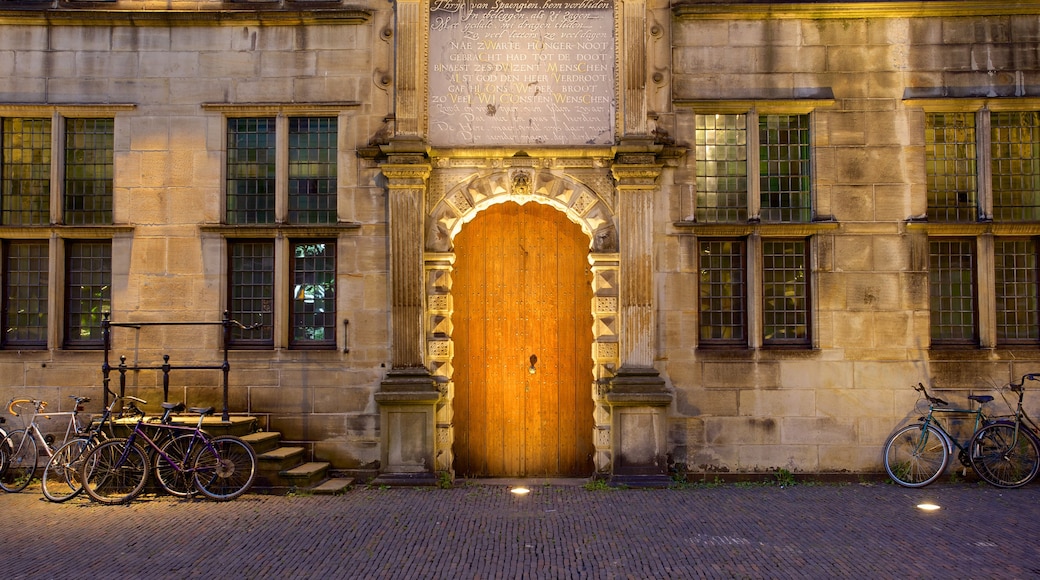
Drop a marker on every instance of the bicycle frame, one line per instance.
(1020, 418)
(180, 466)
(939, 406)
(33, 429)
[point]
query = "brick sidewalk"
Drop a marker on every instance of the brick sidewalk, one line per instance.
(557, 531)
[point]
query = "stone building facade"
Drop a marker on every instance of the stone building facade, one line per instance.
(787, 214)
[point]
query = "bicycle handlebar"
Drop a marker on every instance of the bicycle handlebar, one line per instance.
(1017, 387)
(40, 405)
(933, 400)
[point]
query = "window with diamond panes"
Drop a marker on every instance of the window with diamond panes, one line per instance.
(312, 170)
(952, 286)
(723, 311)
(25, 172)
(1015, 146)
(785, 293)
(25, 294)
(313, 305)
(89, 171)
(784, 173)
(1018, 310)
(88, 290)
(251, 166)
(252, 292)
(720, 150)
(950, 160)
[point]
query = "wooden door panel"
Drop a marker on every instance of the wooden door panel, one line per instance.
(522, 287)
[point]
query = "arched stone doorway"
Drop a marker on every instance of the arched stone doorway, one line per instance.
(523, 345)
(570, 201)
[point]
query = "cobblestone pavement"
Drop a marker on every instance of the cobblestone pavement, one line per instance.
(556, 531)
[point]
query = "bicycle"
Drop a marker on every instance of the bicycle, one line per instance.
(3, 448)
(22, 445)
(221, 468)
(60, 481)
(917, 454)
(1007, 452)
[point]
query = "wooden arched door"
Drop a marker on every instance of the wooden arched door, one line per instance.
(523, 344)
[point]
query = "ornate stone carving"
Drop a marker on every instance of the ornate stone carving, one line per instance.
(521, 183)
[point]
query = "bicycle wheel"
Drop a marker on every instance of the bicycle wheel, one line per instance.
(21, 460)
(114, 472)
(61, 476)
(916, 455)
(225, 469)
(176, 477)
(1004, 456)
(5, 451)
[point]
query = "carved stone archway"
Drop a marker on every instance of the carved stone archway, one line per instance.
(581, 204)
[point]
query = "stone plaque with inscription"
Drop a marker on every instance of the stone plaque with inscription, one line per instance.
(521, 72)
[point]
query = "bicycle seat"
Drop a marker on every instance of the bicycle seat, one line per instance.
(176, 407)
(202, 410)
(981, 398)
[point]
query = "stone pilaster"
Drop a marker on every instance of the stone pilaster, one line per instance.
(408, 395)
(410, 66)
(638, 399)
(633, 67)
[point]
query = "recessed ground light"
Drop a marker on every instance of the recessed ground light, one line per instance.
(928, 507)
(520, 490)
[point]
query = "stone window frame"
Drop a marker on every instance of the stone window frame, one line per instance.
(59, 235)
(280, 232)
(987, 232)
(754, 231)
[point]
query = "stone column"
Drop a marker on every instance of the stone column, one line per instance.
(408, 396)
(638, 398)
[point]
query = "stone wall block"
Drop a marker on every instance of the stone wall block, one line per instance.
(854, 253)
(814, 374)
(872, 291)
(282, 400)
(156, 38)
(707, 403)
(287, 64)
(170, 65)
(843, 459)
(853, 203)
(892, 202)
(726, 374)
(107, 64)
(845, 404)
(76, 38)
(777, 403)
(818, 430)
(741, 431)
(853, 329)
(768, 459)
(227, 64)
(703, 33)
(29, 63)
(270, 90)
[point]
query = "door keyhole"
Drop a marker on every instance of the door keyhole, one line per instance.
(531, 369)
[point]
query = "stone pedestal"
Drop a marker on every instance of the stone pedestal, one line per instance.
(407, 406)
(639, 405)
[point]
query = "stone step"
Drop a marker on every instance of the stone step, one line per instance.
(306, 475)
(280, 458)
(263, 441)
(333, 486)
